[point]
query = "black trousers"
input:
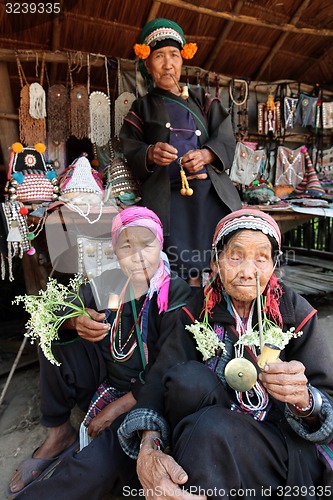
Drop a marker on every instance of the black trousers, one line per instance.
(227, 453)
(102, 466)
(72, 383)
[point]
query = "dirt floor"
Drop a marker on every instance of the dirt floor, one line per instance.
(20, 432)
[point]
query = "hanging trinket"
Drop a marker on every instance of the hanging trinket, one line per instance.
(185, 189)
(79, 111)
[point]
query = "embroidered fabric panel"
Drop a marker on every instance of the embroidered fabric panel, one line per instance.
(269, 120)
(327, 114)
(247, 164)
(289, 110)
(290, 167)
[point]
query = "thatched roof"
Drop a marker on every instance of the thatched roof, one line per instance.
(264, 40)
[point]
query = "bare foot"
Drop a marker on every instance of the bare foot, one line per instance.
(58, 439)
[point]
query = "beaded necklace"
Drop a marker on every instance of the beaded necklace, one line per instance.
(245, 399)
(117, 343)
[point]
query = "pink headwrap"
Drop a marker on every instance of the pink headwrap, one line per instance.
(135, 216)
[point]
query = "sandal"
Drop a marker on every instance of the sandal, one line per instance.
(42, 466)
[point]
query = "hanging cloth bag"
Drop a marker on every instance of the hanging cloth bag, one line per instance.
(32, 123)
(290, 167)
(248, 164)
(79, 108)
(58, 113)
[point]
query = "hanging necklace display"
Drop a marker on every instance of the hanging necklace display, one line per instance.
(100, 112)
(241, 104)
(123, 102)
(57, 113)
(254, 397)
(32, 130)
(13, 216)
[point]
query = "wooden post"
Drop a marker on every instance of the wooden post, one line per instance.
(8, 127)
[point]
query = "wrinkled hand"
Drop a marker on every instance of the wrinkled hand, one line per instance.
(286, 382)
(92, 328)
(162, 153)
(110, 412)
(102, 420)
(195, 159)
(160, 475)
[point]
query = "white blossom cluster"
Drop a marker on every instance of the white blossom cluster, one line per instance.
(207, 340)
(45, 312)
(272, 334)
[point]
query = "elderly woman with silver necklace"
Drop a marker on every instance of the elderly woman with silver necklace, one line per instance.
(104, 359)
(234, 420)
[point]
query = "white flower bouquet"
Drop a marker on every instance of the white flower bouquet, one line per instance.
(49, 310)
(274, 340)
(206, 338)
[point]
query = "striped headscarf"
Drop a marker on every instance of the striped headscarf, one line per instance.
(135, 216)
(247, 218)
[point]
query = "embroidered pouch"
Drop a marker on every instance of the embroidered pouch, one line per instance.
(290, 167)
(30, 179)
(306, 110)
(248, 164)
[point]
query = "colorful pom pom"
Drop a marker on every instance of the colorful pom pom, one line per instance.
(31, 251)
(141, 50)
(24, 211)
(40, 148)
(17, 147)
(189, 50)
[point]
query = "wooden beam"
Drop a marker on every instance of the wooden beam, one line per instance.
(9, 55)
(274, 50)
(238, 18)
(220, 41)
(153, 14)
(8, 128)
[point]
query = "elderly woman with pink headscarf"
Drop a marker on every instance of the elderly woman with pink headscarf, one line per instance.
(104, 360)
(235, 422)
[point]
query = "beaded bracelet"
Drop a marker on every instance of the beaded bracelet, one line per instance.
(156, 440)
(306, 408)
(313, 407)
